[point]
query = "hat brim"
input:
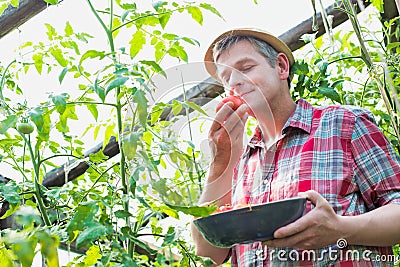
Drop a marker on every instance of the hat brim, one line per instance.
(275, 42)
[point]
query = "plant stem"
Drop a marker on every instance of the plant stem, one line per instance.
(38, 191)
(118, 106)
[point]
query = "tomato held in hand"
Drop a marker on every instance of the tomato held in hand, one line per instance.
(25, 127)
(236, 100)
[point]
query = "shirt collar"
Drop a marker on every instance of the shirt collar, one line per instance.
(301, 118)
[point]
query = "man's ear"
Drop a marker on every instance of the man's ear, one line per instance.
(283, 66)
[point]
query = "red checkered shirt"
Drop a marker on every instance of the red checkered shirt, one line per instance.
(337, 151)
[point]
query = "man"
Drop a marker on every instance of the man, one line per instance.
(334, 156)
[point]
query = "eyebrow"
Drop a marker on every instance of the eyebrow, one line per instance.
(235, 65)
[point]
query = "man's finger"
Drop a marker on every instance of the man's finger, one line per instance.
(292, 228)
(313, 196)
(221, 115)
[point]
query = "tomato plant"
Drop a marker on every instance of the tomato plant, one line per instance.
(109, 210)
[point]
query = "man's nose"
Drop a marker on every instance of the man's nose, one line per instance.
(236, 80)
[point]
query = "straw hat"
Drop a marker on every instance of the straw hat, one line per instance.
(275, 42)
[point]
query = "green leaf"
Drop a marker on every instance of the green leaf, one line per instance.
(169, 237)
(116, 82)
(3, 7)
(126, 13)
(91, 233)
(378, 4)
(68, 29)
(142, 245)
(140, 98)
(58, 54)
(196, 14)
(24, 248)
(62, 74)
(164, 18)
(122, 214)
(8, 123)
(390, 46)
(83, 215)
(196, 107)
(155, 66)
(116, 23)
(93, 109)
(176, 107)
(69, 113)
(129, 144)
(137, 42)
(14, 3)
(211, 9)
(6, 259)
(191, 41)
(98, 157)
(159, 4)
(99, 90)
(52, 2)
(92, 256)
(10, 192)
(108, 133)
(60, 101)
(157, 111)
(92, 54)
(38, 62)
(49, 248)
(51, 32)
(329, 92)
(11, 210)
(196, 211)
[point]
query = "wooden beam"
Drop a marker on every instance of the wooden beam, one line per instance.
(292, 36)
(13, 17)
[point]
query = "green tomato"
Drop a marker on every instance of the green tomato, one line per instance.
(25, 127)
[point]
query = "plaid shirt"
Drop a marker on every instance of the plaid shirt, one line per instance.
(337, 151)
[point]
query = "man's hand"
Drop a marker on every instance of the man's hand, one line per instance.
(316, 229)
(226, 137)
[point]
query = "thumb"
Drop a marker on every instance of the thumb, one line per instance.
(313, 196)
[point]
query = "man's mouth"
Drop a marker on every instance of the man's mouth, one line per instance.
(245, 93)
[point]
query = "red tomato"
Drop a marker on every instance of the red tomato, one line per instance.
(240, 205)
(223, 208)
(236, 100)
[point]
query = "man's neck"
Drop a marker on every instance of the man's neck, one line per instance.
(271, 125)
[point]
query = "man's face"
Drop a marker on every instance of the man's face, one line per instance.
(243, 69)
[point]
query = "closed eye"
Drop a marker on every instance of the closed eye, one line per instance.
(246, 68)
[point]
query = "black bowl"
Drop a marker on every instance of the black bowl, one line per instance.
(246, 225)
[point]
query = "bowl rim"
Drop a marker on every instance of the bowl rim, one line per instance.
(296, 198)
